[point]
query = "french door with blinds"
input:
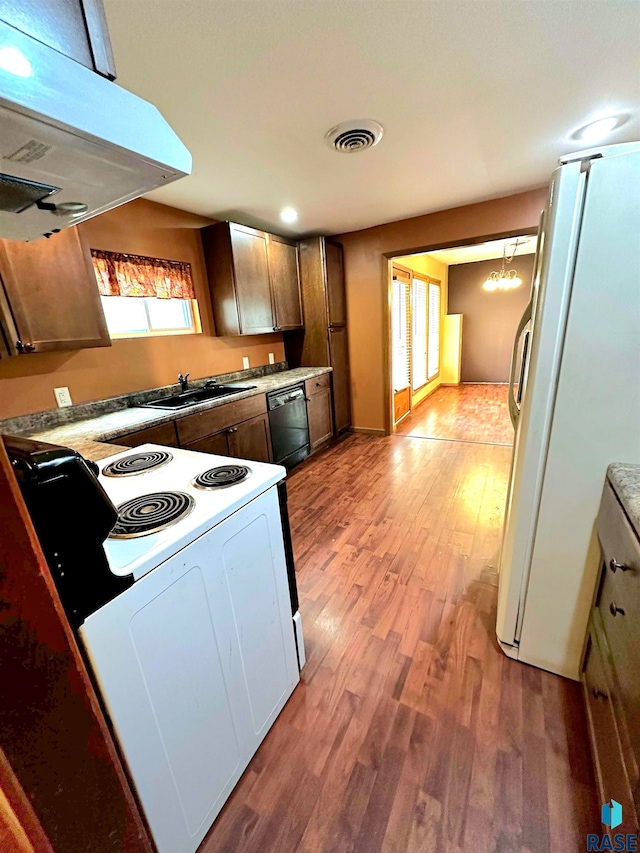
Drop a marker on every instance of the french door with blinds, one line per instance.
(415, 336)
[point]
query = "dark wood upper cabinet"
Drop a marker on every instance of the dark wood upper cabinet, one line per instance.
(253, 277)
(251, 274)
(75, 28)
(49, 297)
(285, 283)
(336, 302)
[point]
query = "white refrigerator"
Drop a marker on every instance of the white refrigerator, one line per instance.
(574, 398)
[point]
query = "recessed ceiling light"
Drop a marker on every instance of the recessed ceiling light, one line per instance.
(288, 214)
(600, 128)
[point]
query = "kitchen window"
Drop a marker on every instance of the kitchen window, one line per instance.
(145, 297)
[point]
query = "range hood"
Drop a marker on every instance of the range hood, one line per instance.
(72, 143)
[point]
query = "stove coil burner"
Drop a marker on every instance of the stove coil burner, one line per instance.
(225, 475)
(148, 514)
(137, 463)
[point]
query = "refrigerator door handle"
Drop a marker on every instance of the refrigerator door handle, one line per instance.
(514, 409)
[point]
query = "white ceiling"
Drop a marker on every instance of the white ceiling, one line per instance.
(478, 98)
(484, 251)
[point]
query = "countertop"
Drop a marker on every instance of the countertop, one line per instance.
(91, 436)
(625, 479)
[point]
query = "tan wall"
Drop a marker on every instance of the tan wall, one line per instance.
(366, 279)
(490, 317)
(145, 228)
(437, 270)
(451, 359)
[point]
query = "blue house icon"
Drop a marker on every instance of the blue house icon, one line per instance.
(612, 814)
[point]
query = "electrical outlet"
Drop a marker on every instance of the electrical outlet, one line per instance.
(63, 397)
(272, 358)
(245, 362)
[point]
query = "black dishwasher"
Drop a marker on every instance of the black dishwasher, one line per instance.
(289, 425)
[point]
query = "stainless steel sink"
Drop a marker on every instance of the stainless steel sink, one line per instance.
(197, 395)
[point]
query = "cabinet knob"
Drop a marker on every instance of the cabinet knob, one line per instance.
(598, 694)
(277, 329)
(614, 609)
(308, 399)
(614, 565)
(21, 346)
(233, 429)
(318, 384)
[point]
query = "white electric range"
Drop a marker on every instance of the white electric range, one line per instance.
(196, 659)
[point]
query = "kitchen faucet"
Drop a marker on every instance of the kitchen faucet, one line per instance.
(184, 381)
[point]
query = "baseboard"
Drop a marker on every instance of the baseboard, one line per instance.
(484, 383)
(368, 430)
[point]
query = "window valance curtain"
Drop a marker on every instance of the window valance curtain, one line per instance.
(134, 275)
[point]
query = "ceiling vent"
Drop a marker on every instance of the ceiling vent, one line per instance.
(352, 136)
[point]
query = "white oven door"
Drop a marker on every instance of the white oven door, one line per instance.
(194, 662)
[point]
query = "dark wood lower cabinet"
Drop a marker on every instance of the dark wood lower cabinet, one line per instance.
(251, 440)
(218, 444)
(320, 418)
(611, 666)
(164, 434)
(247, 440)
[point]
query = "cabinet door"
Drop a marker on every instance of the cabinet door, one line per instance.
(164, 434)
(52, 295)
(251, 272)
(341, 384)
(336, 302)
(285, 283)
(320, 418)
(218, 444)
(251, 440)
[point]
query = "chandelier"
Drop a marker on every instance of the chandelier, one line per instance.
(504, 279)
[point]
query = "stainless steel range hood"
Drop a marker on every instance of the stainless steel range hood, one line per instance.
(72, 143)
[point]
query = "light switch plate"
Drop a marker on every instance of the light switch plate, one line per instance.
(63, 397)
(272, 358)
(245, 362)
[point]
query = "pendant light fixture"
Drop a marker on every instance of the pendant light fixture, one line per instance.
(505, 279)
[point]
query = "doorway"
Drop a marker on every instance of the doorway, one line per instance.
(415, 328)
(482, 290)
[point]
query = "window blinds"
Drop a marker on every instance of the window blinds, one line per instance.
(401, 330)
(434, 330)
(419, 342)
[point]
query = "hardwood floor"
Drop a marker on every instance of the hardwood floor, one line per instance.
(411, 732)
(462, 413)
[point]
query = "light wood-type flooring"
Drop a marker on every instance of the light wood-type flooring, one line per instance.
(462, 413)
(411, 732)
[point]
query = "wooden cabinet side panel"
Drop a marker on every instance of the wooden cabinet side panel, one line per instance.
(340, 377)
(315, 348)
(52, 291)
(216, 243)
(336, 296)
(52, 730)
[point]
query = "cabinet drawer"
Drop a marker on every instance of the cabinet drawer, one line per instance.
(317, 384)
(162, 434)
(619, 543)
(610, 768)
(620, 626)
(219, 418)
